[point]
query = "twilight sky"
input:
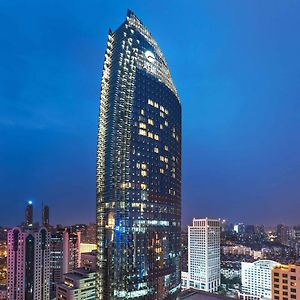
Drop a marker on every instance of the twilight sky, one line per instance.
(236, 66)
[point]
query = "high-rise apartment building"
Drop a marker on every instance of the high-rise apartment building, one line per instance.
(29, 214)
(65, 254)
(256, 279)
(204, 264)
(286, 282)
(138, 170)
(28, 264)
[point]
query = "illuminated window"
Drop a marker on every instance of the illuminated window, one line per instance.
(155, 105)
(166, 123)
(142, 125)
(161, 126)
(156, 137)
(143, 186)
(150, 135)
(150, 121)
(166, 148)
(150, 102)
(162, 158)
(155, 150)
(143, 173)
(142, 112)
(138, 165)
(162, 171)
(162, 108)
(161, 114)
(143, 132)
(144, 166)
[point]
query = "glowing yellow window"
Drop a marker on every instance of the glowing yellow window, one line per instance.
(162, 158)
(161, 126)
(166, 112)
(166, 159)
(162, 108)
(161, 114)
(166, 148)
(155, 105)
(143, 186)
(156, 137)
(142, 125)
(144, 173)
(138, 165)
(150, 135)
(150, 102)
(143, 132)
(166, 123)
(155, 150)
(142, 112)
(162, 171)
(150, 121)
(144, 166)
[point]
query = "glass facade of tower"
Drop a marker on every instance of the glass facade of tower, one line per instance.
(138, 170)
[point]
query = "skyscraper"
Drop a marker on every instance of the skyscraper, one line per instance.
(204, 262)
(28, 264)
(45, 213)
(29, 214)
(138, 170)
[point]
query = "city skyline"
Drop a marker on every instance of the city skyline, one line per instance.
(237, 80)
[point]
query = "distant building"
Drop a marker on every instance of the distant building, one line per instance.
(286, 282)
(28, 263)
(88, 236)
(282, 233)
(89, 260)
(29, 214)
(239, 228)
(242, 250)
(77, 285)
(256, 279)
(45, 213)
(65, 254)
(203, 256)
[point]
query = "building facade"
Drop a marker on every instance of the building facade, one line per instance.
(28, 264)
(77, 285)
(204, 262)
(286, 282)
(65, 254)
(256, 279)
(138, 170)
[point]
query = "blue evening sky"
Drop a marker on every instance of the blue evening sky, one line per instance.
(236, 66)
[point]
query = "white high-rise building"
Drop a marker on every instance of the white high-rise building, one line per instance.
(257, 279)
(28, 264)
(203, 256)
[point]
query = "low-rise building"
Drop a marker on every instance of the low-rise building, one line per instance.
(77, 285)
(257, 279)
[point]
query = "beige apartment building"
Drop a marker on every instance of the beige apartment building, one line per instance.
(286, 282)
